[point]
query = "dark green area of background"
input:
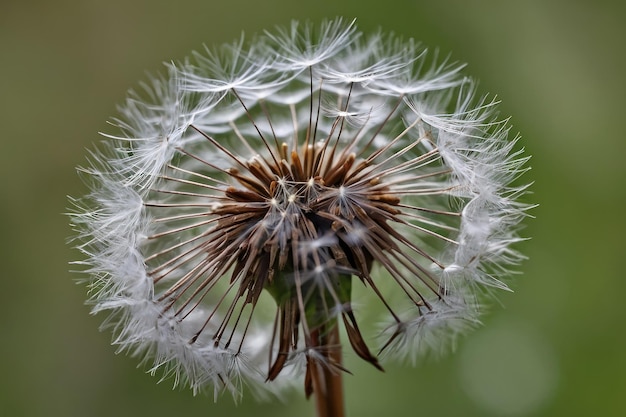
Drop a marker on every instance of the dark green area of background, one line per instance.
(559, 68)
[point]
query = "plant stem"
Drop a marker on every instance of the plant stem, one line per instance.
(326, 377)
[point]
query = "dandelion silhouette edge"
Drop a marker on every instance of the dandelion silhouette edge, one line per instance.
(250, 189)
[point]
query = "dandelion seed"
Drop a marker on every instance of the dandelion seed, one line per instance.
(253, 187)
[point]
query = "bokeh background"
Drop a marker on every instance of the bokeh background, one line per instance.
(556, 347)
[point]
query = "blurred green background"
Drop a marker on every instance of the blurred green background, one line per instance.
(556, 347)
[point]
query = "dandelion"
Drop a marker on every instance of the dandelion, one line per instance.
(254, 187)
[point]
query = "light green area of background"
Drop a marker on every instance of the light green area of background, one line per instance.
(556, 348)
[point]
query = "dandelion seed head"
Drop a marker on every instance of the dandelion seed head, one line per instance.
(252, 188)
